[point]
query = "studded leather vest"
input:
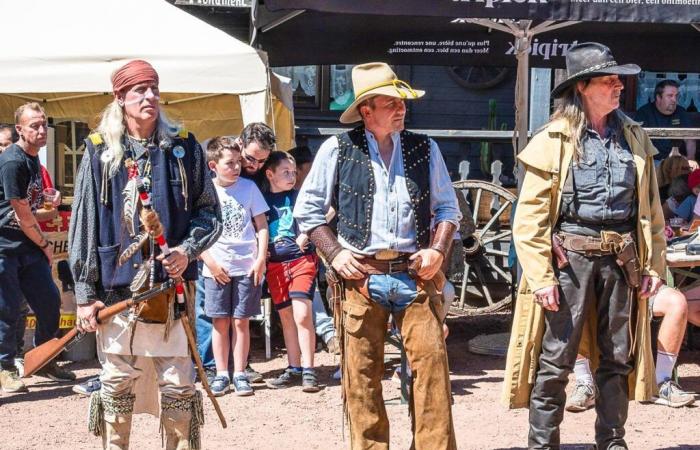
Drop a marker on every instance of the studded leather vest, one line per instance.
(355, 188)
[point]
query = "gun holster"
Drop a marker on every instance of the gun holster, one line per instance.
(625, 250)
(335, 285)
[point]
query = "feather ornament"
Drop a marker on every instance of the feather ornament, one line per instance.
(133, 248)
(130, 204)
(141, 276)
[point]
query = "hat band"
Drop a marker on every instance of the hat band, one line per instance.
(595, 68)
(396, 83)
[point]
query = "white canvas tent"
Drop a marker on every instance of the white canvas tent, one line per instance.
(62, 54)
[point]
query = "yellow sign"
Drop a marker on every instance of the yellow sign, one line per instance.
(67, 321)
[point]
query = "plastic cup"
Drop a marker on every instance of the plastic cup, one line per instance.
(50, 196)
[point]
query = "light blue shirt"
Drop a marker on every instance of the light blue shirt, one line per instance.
(393, 225)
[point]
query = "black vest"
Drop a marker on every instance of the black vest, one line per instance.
(167, 201)
(355, 187)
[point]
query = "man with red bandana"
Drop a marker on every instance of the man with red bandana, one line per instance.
(135, 142)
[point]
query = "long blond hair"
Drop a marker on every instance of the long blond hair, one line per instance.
(112, 128)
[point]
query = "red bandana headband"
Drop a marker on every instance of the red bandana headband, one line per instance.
(133, 73)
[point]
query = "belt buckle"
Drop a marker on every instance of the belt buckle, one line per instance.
(386, 254)
(391, 266)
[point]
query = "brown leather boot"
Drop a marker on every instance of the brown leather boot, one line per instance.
(430, 401)
(364, 323)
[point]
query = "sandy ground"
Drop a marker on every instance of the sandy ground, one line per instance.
(50, 416)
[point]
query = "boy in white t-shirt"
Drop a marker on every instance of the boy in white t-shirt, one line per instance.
(234, 266)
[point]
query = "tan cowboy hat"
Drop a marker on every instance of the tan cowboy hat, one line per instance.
(372, 79)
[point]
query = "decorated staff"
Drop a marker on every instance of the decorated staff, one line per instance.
(152, 224)
(111, 260)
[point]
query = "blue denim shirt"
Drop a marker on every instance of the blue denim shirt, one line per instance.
(393, 225)
(604, 184)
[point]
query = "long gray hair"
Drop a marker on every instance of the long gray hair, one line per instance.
(112, 128)
(570, 110)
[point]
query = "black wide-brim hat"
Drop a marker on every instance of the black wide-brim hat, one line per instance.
(589, 60)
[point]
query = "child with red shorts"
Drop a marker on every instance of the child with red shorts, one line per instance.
(291, 274)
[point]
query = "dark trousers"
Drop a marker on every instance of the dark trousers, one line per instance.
(594, 283)
(28, 275)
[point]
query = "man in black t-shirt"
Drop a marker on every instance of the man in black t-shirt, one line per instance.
(25, 253)
(664, 112)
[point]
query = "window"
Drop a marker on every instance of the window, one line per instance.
(305, 83)
(341, 87)
(324, 89)
(69, 151)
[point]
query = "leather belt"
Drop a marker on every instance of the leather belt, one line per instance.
(589, 245)
(373, 266)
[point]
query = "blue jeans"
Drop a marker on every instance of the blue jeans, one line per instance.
(26, 274)
(203, 324)
(323, 323)
(392, 291)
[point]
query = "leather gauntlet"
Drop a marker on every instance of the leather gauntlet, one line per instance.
(326, 242)
(442, 239)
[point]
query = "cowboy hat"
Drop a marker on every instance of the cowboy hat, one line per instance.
(589, 60)
(372, 79)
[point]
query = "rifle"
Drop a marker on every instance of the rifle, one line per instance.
(38, 357)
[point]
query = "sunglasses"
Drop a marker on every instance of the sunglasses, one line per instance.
(252, 160)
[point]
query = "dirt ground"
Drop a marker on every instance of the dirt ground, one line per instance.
(50, 416)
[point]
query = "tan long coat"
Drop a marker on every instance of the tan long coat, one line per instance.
(547, 160)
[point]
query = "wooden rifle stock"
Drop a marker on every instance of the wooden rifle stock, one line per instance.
(38, 357)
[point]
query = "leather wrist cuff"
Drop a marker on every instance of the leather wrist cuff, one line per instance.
(326, 242)
(442, 239)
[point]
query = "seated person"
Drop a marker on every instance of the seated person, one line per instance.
(676, 311)
(665, 112)
(682, 192)
(668, 170)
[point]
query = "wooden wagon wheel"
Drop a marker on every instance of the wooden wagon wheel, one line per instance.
(482, 271)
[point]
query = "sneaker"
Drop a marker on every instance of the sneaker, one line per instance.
(19, 364)
(253, 375)
(10, 382)
(87, 388)
(333, 346)
(671, 394)
(55, 373)
(309, 381)
(242, 386)
(210, 373)
(220, 385)
(582, 398)
(289, 377)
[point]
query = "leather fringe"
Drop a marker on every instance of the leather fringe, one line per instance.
(197, 421)
(96, 414)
